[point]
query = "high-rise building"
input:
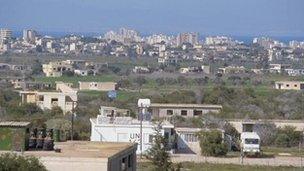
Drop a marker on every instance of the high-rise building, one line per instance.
(124, 35)
(219, 40)
(5, 34)
(29, 35)
(191, 38)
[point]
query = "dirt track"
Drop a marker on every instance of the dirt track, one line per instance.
(276, 161)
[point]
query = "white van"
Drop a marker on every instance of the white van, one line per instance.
(250, 142)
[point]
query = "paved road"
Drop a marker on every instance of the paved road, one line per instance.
(276, 161)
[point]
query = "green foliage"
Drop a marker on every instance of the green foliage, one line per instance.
(13, 162)
(211, 143)
(282, 140)
(157, 153)
(288, 137)
(68, 73)
(36, 67)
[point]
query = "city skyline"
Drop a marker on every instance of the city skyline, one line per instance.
(250, 18)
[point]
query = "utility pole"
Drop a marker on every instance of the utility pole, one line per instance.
(141, 119)
(72, 120)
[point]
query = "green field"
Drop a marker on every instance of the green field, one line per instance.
(218, 167)
(276, 151)
(76, 79)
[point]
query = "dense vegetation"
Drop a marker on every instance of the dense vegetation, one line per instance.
(211, 143)
(13, 162)
(217, 167)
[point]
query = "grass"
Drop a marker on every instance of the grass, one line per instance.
(76, 79)
(293, 151)
(218, 167)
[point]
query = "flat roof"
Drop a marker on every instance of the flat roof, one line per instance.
(84, 149)
(278, 82)
(14, 124)
(172, 105)
(126, 122)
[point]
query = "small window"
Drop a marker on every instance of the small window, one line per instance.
(95, 85)
(287, 85)
(197, 112)
(295, 85)
(184, 112)
(41, 98)
(124, 164)
(169, 112)
(130, 160)
(54, 100)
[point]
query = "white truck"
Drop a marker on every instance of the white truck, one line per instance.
(250, 143)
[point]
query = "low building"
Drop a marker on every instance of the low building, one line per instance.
(93, 156)
(98, 86)
(294, 72)
(55, 69)
(186, 110)
(278, 68)
(232, 70)
(65, 97)
(202, 69)
(26, 85)
(289, 85)
(187, 140)
(249, 125)
(14, 136)
(85, 72)
(141, 70)
(127, 129)
(113, 111)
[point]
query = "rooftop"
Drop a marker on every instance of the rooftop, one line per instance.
(126, 121)
(185, 105)
(84, 149)
(278, 82)
(14, 124)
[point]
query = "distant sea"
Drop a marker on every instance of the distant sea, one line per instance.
(245, 39)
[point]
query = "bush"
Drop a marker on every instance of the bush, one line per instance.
(15, 162)
(211, 143)
(282, 140)
(288, 137)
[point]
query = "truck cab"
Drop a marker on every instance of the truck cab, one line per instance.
(250, 143)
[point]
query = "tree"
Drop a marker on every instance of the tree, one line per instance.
(36, 67)
(293, 136)
(160, 81)
(140, 81)
(282, 140)
(16, 162)
(68, 73)
(211, 143)
(157, 153)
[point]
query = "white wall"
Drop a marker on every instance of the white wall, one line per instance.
(123, 133)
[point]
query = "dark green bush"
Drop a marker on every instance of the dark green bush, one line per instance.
(211, 143)
(13, 162)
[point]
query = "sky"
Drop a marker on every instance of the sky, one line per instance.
(208, 17)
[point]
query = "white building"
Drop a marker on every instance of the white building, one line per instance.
(29, 35)
(127, 129)
(65, 97)
(98, 86)
(5, 34)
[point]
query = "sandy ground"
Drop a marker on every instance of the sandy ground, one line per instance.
(276, 161)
